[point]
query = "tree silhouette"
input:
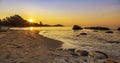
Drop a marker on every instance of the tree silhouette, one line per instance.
(18, 21)
(15, 20)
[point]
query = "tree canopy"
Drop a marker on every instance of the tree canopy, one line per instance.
(15, 20)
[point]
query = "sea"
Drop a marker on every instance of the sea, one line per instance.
(93, 41)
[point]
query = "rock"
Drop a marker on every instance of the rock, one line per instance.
(59, 49)
(114, 42)
(95, 31)
(118, 29)
(60, 60)
(77, 35)
(83, 33)
(109, 32)
(97, 28)
(72, 50)
(76, 27)
(74, 54)
(110, 61)
(100, 55)
(84, 53)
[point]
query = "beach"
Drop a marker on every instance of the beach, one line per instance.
(27, 46)
(23, 45)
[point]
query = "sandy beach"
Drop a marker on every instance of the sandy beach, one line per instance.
(29, 47)
(23, 45)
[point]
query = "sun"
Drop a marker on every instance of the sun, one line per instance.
(31, 20)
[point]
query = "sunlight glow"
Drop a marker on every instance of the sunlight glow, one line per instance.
(31, 28)
(31, 20)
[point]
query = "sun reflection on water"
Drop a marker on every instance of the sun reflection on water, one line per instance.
(31, 28)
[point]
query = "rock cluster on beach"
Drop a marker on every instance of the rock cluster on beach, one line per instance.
(77, 27)
(79, 56)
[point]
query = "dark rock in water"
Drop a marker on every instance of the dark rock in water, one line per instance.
(77, 35)
(83, 33)
(114, 42)
(72, 50)
(76, 27)
(95, 31)
(110, 61)
(97, 28)
(84, 53)
(3, 30)
(109, 32)
(118, 29)
(74, 54)
(103, 56)
(59, 49)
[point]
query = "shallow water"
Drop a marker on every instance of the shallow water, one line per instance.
(92, 41)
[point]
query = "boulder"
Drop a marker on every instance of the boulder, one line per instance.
(74, 54)
(109, 32)
(71, 50)
(97, 28)
(100, 55)
(83, 33)
(77, 27)
(84, 53)
(117, 42)
(118, 29)
(95, 31)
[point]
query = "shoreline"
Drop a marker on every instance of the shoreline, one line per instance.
(21, 44)
(26, 46)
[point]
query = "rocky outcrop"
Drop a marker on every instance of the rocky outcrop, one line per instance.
(80, 56)
(109, 32)
(83, 33)
(118, 29)
(117, 42)
(97, 28)
(77, 27)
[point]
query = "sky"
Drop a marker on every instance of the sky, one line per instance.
(66, 12)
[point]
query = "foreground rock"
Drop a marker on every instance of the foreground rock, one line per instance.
(97, 28)
(76, 27)
(117, 42)
(118, 29)
(80, 56)
(83, 33)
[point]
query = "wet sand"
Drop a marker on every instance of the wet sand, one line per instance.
(30, 47)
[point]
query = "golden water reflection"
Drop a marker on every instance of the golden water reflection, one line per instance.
(31, 28)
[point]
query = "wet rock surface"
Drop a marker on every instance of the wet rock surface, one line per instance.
(77, 27)
(80, 56)
(83, 33)
(109, 32)
(118, 29)
(97, 28)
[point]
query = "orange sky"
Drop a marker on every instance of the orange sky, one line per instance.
(66, 12)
